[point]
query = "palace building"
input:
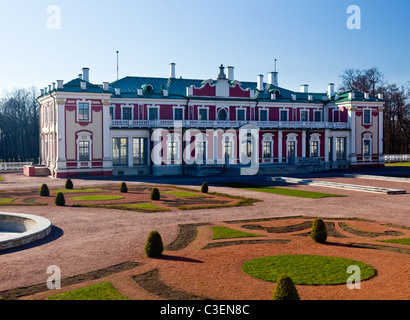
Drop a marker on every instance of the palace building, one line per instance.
(177, 126)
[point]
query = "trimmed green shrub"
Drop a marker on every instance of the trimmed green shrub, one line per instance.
(60, 200)
(44, 192)
(154, 246)
(204, 188)
(69, 184)
(285, 289)
(155, 195)
(318, 232)
(123, 187)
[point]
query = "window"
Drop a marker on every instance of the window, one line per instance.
(367, 117)
(291, 149)
(263, 115)
(222, 115)
(120, 151)
(84, 112)
(227, 148)
(317, 116)
(126, 113)
(283, 115)
(247, 146)
(367, 147)
(340, 148)
(314, 148)
(203, 114)
(178, 114)
(201, 151)
(84, 151)
(172, 150)
(240, 115)
(112, 113)
(153, 114)
(304, 116)
(140, 154)
(267, 149)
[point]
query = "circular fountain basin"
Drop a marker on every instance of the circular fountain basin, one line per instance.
(17, 229)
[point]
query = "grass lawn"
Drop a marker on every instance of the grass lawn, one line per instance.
(400, 241)
(306, 269)
(7, 200)
(227, 233)
(77, 190)
(146, 206)
(98, 197)
(99, 291)
(1, 179)
(281, 191)
(398, 164)
(182, 194)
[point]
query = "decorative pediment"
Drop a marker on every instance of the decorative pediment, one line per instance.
(220, 88)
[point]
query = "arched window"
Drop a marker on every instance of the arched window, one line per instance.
(367, 145)
(222, 115)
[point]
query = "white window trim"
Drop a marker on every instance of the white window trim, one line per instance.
(207, 113)
(199, 138)
(222, 108)
(371, 120)
(287, 114)
(368, 137)
(84, 136)
(269, 138)
(314, 113)
(292, 137)
(113, 113)
(148, 112)
(267, 113)
(78, 111)
(244, 110)
(333, 115)
(300, 114)
(315, 137)
(173, 112)
(127, 106)
(175, 137)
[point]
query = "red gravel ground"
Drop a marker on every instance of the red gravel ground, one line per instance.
(88, 239)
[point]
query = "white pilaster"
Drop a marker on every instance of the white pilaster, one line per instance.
(303, 144)
(280, 138)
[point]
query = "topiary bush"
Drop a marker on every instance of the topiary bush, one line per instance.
(44, 192)
(318, 232)
(69, 184)
(285, 289)
(154, 246)
(204, 188)
(60, 200)
(155, 195)
(123, 187)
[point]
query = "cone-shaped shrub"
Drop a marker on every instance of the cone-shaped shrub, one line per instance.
(123, 187)
(60, 200)
(285, 289)
(154, 246)
(318, 232)
(44, 192)
(155, 194)
(69, 184)
(204, 188)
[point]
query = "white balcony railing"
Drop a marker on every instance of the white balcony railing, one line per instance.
(5, 166)
(227, 124)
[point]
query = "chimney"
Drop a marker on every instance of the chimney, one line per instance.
(42, 92)
(331, 90)
(172, 70)
(260, 83)
(86, 74)
(304, 88)
(106, 86)
(230, 73)
(60, 84)
(273, 78)
(80, 76)
(54, 86)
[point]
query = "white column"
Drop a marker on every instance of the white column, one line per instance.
(303, 144)
(280, 138)
(326, 142)
(352, 122)
(107, 141)
(60, 134)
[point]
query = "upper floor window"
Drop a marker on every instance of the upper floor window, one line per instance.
(304, 116)
(84, 111)
(222, 115)
(178, 114)
(367, 117)
(203, 114)
(126, 113)
(317, 115)
(283, 115)
(263, 115)
(240, 115)
(112, 113)
(153, 114)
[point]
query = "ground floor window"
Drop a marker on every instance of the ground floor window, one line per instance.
(247, 146)
(267, 149)
(340, 148)
(367, 148)
(314, 148)
(120, 151)
(84, 150)
(140, 153)
(172, 150)
(291, 149)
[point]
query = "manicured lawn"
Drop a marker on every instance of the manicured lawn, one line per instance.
(77, 190)
(398, 164)
(98, 197)
(400, 241)
(227, 233)
(306, 269)
(100, 291)
(7, 200)
(182, 194)
(281, 191)
(145, 207)
(1, 179)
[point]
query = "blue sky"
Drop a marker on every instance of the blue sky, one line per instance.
(310, 39)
